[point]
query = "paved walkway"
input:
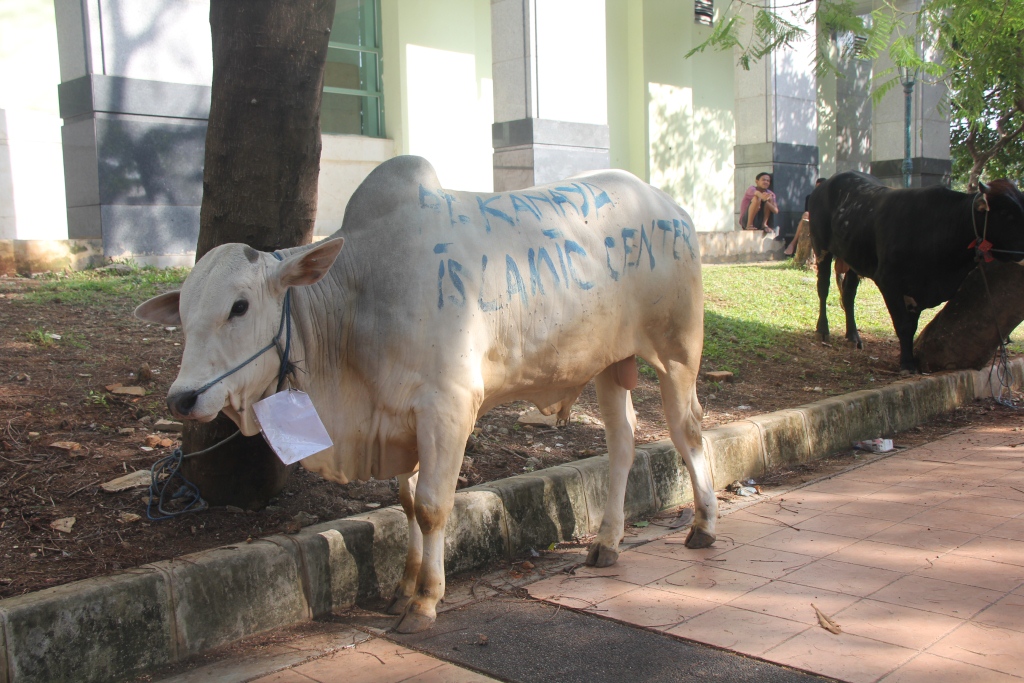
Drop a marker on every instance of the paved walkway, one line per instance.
(919, 559)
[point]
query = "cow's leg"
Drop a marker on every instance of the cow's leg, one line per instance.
(441, 434)
(824, 278)
(414, 558)
(905, 315)
(619, 425)
(683, 415)
(849, 292)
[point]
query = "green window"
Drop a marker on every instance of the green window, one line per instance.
(353, 102)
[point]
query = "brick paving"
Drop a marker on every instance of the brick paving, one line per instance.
(919, 558)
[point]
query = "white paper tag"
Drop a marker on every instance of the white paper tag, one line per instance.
(291, 426)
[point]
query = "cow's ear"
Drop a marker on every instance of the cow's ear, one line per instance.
(981, 199)
(309, 266)
(162, 309)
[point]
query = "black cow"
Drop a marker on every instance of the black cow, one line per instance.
(918, 245)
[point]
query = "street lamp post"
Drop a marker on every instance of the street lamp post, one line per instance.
(908, 76)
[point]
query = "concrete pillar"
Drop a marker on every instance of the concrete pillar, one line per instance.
(550, 90)
(929, 128)
(776, 128)
(134, 96)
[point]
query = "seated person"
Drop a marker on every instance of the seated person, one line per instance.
(758, 208)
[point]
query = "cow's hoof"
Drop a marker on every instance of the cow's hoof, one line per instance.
(698, 538)
(414, 623)
(601, 556)
(398, 604)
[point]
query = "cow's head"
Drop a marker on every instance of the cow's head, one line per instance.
(999, 219)
(229, 308)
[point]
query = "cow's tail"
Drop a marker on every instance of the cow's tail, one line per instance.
(841, 268)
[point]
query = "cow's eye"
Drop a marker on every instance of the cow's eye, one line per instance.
(239, 308)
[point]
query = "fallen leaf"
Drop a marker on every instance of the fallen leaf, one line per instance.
(825, 622)
(129, 481)
(153, 440)
(527, 564)
(63, 524)
(166, 443)
(67, 445)
(129, 517)
(129, 391)
(641, 525)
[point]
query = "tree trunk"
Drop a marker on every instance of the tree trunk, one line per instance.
(966, 332)
(259, 185)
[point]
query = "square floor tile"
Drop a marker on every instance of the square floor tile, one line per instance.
(910, 495)
(374, 660)
(845, 525)
(1008, 613)
(937, 481)
(942, 597)
(895, 624)
(846, 487)
(446, 673)
(971, 571)
(710, 583)
(775, 512)
(1012, 529)
(845, 656)
(992, 648)
(744, 531)
(995, 549)
(286, 676)
(1000, 489)
(810, 543)
(766, 562)
(735, 629)
(985, 505)
(895, 558)
(578, 592)
(793, 601)
(1001, 457)
(674, 547)
(927, 668)
(652, 607)
(636, 567)
(879, 509)
(813, 500)
(917, 536)
(956, 520)
(843, 577)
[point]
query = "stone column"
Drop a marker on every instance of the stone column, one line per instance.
(134, 96)
(929, 130)
(550, 90)
(777, 129)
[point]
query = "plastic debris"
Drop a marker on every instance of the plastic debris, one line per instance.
(874, 445)
(746, 491)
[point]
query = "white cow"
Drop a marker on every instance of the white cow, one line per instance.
(443, 305)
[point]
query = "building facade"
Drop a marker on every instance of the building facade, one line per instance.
(105, 148)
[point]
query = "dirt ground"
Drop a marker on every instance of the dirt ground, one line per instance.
(64, 431)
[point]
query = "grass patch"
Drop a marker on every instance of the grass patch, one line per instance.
(752, 310)
(97, 287)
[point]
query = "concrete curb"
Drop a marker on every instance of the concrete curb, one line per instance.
(113, 627)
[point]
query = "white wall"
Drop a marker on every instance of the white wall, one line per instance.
(438, 90)
(31, 161)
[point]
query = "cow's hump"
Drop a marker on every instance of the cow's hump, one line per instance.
(388, 188)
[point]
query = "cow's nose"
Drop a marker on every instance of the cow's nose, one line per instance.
(182, 404)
